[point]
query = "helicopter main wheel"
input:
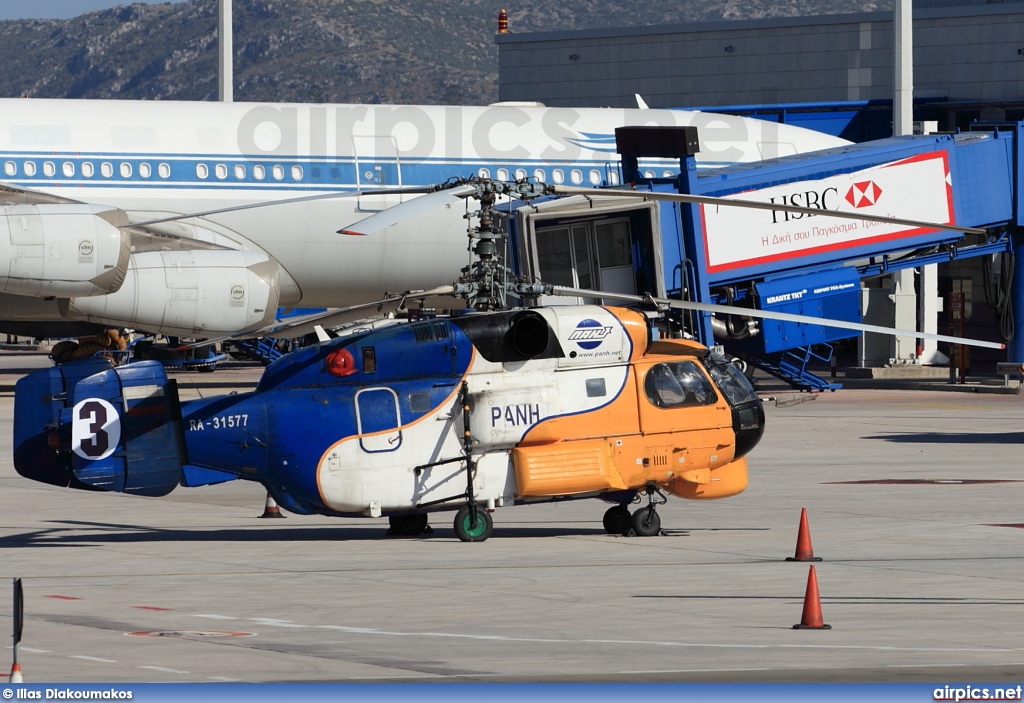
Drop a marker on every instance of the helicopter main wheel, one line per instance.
(646, 522)
(617, 519)
(467, 530)
(408, 525)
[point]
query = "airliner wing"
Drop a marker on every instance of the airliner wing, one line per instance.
(11, 194)
(333, 317)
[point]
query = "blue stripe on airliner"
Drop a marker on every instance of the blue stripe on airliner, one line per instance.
(55, 170)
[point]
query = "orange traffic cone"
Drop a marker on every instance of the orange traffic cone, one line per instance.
(272, 510)
(811, 618)
(804, 551)
(15, 674)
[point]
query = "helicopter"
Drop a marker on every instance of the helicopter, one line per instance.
(494, 405)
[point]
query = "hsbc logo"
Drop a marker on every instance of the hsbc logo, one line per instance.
(589, 334)
(821, 200)
(863, 194)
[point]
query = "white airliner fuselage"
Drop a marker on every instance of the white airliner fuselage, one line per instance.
(141, 160)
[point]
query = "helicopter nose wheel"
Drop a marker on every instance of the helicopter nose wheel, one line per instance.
(473, 524)
(646, 522)
(617, 519)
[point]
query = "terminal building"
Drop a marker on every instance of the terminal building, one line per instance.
(968, 62)
(833, 73)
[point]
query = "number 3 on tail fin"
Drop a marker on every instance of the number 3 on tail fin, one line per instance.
(95, 429)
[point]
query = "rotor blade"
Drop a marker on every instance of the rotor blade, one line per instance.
(780, 316)
(339, 316)
(411, 190)
(753, 204)
(408, 210)
(297, 326)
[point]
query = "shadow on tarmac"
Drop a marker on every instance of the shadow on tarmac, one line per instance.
(87, 534)
(952, 438)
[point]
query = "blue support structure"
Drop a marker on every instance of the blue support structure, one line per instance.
(693, 258)
(798, 264)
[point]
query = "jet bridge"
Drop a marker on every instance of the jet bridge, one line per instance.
(773, 260)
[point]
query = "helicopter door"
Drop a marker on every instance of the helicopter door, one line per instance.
(377, 420)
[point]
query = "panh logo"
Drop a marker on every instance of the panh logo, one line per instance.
(589, 334)
(863, 194)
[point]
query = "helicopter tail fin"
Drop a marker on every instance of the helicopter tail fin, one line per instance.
(39, 399)
(114, 429)
(126, 431)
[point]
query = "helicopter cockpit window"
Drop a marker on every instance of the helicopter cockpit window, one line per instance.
(731, 381)
(678, 384)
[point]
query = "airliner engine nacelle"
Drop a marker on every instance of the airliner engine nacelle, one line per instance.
(188, 293)
(60, 251)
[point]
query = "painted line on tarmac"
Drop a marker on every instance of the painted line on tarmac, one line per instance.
(164, 669)
(274, 622)
(92, 659)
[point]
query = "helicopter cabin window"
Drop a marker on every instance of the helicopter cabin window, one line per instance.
(596, 388)
(369, 359)
(419, 402)
(678, 384)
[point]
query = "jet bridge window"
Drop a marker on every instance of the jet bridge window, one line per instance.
(678, 384)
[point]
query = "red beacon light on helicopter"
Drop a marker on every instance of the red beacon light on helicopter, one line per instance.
(341, 363)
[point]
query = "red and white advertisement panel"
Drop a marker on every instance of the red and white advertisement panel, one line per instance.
(918, 188)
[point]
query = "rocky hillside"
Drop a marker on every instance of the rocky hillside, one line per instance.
(390, 51)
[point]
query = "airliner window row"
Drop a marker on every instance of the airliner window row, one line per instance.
(125, 169)
(280, 173)
(594, 176)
